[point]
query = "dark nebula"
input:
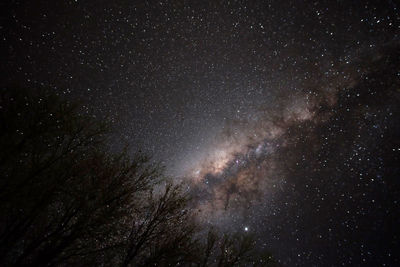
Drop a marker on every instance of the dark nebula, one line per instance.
(282, 117)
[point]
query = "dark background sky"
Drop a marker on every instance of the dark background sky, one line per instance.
(202, 83)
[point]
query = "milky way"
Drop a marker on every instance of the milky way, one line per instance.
(280, 117)
(241, 163)
(253, 172)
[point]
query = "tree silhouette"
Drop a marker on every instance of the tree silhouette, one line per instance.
(65, 199)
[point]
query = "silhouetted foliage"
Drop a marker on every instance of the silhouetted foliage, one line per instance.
(66, 200)
(233, 250)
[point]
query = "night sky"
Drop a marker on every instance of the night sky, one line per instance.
(282, 117)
